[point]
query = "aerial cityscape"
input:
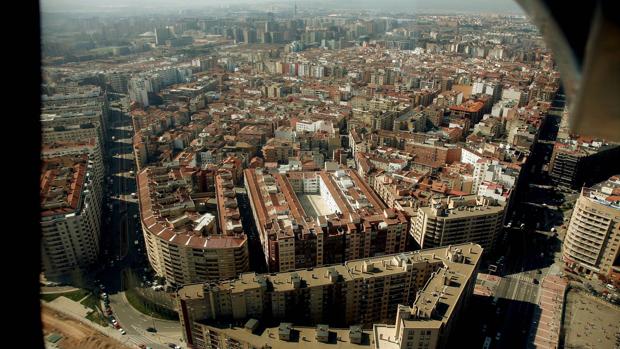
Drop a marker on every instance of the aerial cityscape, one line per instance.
(318, 174)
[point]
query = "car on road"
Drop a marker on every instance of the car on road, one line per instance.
(498, 311)
(498, 336)
(151, 329)
(484, 328)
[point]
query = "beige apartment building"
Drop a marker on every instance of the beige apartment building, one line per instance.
(182, 241)
(372, 292)
(459, 219)
(71, 198)
(592, 242)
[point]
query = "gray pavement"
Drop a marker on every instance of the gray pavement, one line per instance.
(121, 231)
(136, 323)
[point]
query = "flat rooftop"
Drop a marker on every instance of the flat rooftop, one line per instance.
(377, 266)
(301, 337)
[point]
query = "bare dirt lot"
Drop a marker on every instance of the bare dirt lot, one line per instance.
(589, 322)
(75, 334)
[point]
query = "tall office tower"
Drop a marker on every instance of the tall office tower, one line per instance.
(161, 35)
(406, 300)
(71, 197)
(592, 241)
(459, 219)
(249, 36)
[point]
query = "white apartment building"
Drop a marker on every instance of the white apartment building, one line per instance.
(592, 241)
(71, 199)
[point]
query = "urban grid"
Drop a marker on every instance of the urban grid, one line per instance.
(318, 175)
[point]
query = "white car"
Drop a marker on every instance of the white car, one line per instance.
(122, 331)
(497, 336)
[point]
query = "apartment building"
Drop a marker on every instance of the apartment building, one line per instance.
(278, 150)
(73, 101)
(579, 162)
(312, 218)
(592, 241)
(181, 242)
(370, 293)
(71, 198)
(459, 219)
(71, 126)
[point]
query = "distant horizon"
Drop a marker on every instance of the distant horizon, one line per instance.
(502, 7)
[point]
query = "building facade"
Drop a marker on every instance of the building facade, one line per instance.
(312, 218)
(181, 244)
(71, 199)
(417, 284)
(459, 219)
(592, 241)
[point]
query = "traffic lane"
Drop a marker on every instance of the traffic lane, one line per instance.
(517, 312)
(133, 317)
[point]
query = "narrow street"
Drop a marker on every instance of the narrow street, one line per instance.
(122, 240)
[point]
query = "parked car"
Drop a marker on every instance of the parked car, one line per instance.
(535, 281)
(122, 331)
(151, 329)
(498, 336)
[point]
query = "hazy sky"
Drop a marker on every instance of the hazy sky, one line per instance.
(472, 6)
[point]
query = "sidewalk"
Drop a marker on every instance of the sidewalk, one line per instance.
(551, 303)
(57, 289)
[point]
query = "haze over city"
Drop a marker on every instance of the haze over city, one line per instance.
(312, 174)
(425, 6)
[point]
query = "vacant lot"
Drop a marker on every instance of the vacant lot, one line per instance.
(75, 334)
(589, 322)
